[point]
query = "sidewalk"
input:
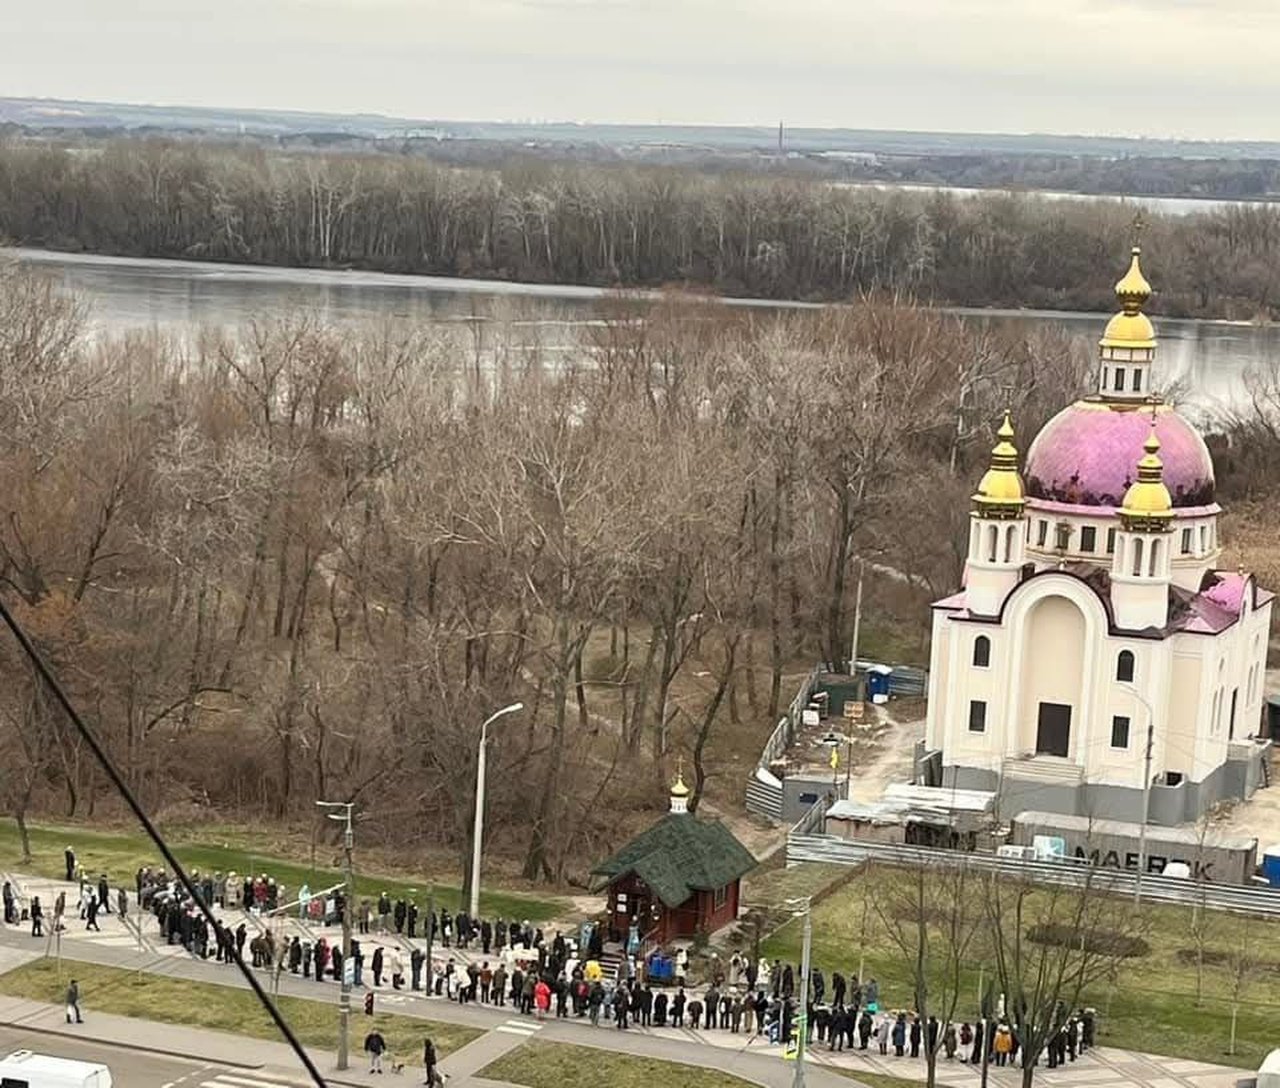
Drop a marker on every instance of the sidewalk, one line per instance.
(276, 1060)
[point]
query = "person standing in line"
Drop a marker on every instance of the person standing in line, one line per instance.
(69, 856)
(91, 916)
(73, 1002)
(37, 917)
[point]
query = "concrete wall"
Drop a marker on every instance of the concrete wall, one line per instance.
(1169, 805)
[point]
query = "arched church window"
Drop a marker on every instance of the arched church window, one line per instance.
(981, 652)
(1118, 384)
(1154, 563)
(1137, 557)
(1204, 539)
(993, 544)
(1124, 667)
(1137, 379)
(1008, 543)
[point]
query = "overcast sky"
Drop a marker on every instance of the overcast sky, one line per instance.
(1199, 68)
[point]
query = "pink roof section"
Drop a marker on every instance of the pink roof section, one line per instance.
(1087, 455)
(1082, 510)
(1228, 592)
(1209, 612)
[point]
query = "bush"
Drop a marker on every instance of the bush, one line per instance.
(1106, 944)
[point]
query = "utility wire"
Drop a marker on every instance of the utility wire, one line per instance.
(104, 760)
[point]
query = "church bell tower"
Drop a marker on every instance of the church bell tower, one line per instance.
(997, 529)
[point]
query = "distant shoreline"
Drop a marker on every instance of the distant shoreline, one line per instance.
(39, 256)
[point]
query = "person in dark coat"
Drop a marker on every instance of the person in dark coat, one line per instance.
(295, 955)
(931, 1035)
(429, 1062)
(865, 1024)
(660, 1009)
(915, 1036)
(399, 915)
(677, 1009)
(411, 920)
(899, 1034)
(376, 965)
(975, 1055)
(837, 988)
(37, 917)
(712, 1005)
(69, 857)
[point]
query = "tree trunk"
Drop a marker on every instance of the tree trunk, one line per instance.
(839, 560)
(24, 833)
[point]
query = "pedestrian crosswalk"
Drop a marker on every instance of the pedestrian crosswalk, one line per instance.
(520, 1027)
(245, 1080)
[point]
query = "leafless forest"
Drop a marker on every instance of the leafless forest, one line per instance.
(621, 225)
(302, 561)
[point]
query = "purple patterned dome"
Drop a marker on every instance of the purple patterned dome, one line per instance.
(1088, 455)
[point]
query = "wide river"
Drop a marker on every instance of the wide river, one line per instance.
(1207, 359)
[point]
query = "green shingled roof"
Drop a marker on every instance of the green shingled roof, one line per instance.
(679, 855)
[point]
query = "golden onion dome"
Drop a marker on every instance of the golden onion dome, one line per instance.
(678, 788)
(1147, 505)
(1131, 328)
(1000, 492)
(1132, 289)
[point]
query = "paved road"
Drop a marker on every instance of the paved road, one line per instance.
(131, 1069)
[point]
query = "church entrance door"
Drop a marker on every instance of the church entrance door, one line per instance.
(1053, 732)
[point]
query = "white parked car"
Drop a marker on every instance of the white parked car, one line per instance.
(24, 1069)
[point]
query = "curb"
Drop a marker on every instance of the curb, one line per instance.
(37, 1029)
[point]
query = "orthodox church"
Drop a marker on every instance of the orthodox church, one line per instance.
(1096, 645)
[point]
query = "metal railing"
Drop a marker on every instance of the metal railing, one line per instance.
(1239, 898)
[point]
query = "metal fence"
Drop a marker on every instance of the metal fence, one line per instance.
(1243, 899)
(764, 797)
(812, 820)
(764, 792)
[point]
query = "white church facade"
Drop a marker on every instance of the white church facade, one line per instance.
(1095, 640)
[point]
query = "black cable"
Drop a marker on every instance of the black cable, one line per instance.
(104, 760)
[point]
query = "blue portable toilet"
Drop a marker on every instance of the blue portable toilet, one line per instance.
(878, 683)
(1271, 865)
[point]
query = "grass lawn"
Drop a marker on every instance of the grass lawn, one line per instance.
(556, 1065)
(222, 1008)
(120, 855)
(1150, 1007)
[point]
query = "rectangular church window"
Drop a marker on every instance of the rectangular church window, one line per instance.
(977, 716)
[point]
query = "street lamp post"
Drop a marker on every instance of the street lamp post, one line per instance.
(343, 814)
(478, 831)
(1146, 793)
(802, 1017)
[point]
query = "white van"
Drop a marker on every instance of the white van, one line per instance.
(23, 1069)
(1269, 1073)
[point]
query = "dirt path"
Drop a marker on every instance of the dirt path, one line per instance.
(891, 762)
